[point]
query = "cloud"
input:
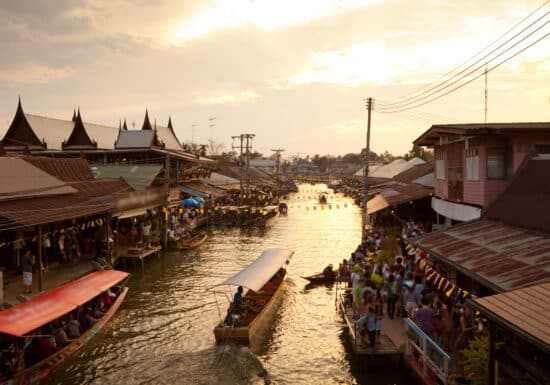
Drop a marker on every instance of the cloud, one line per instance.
(266, 15)
(227, 98)
(32, 73)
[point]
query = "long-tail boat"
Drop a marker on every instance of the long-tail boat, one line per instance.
(21, 323)
(264, 278)
(194, 242)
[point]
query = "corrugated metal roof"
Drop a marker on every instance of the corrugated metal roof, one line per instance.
(138, 176)
(50, 130)
(500, 256)
(396, 167)
(415, 172)
(526, 309)
(219, 179)
(19, 179)
(135, 139)
(526, 200)
(430, 137)
(91, 197)
(66, 169)
(396, 195)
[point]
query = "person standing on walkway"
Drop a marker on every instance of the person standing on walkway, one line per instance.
(26, 265)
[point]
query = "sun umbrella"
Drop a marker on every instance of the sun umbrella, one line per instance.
(190, 202)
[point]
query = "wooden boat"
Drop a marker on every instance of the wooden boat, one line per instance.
(323, 199)
(20, 320)
(321, 279)
(194, 241)
(264, 279)
(283, 208)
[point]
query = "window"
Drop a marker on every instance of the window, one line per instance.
(542, 148)
(472, 164)
(496, 166)
(440, 166)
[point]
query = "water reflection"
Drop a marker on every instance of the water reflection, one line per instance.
(163, 331)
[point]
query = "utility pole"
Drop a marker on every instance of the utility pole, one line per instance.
(486, 93)
(211, 125)
(278, 152)
(244, 161)
(366, 172)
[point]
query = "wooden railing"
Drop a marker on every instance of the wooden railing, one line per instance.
(432, 357)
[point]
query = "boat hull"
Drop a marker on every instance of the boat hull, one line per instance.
(40, 370)
(194, 242)
(252, 334)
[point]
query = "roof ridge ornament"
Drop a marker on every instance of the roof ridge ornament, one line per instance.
(146, 121)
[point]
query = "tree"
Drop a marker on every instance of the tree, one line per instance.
(419, 152)
(476, 360)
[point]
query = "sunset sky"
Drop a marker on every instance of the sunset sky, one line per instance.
(293, 72)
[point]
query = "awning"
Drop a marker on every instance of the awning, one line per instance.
(455, 211)
(376, 204)
(192, 191)
(133, 213)
(261, 270)
(27, 316)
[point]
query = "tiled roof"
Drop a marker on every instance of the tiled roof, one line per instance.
(135, 139)
(502, 257)
(104, 136)
(50, 130)
(19, 179)
(525, 310)
(66, 169)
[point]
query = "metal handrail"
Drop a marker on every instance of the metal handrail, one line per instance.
(425, 349)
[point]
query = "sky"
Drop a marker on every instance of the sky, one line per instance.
(295, 73)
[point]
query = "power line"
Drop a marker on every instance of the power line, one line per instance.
(468, 81)
(418, 93)
(403, 104)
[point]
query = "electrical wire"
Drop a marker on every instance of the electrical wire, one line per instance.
(436, 91)
(429, 86)
(470, 80)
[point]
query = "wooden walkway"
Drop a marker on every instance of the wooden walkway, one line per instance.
(141, 255)
(385, 352)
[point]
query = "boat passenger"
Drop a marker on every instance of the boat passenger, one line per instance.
(73, 327)
(238, 297)
(328, 272)
(86, 319)
(61, 338)
(33, 352)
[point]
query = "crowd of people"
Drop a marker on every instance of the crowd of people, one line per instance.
(397, 287)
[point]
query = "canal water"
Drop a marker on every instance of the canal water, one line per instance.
(163, 332)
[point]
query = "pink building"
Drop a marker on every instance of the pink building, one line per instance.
(474, 162)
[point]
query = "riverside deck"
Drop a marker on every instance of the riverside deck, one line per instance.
(139, 254)
(387, 351)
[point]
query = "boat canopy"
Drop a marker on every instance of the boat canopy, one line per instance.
(38, 311)
(255, 275)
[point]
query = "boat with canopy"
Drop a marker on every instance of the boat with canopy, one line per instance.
(264, 278)
(24, 327)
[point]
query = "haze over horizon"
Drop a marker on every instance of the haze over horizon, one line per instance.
(295, 73)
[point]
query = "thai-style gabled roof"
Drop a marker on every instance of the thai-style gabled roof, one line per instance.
(167, 137)
(146, 122)
(79, 138)
(53, 132)
(20, 133)
(104, 136)
(124, 125)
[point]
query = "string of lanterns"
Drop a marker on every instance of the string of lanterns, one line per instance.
(81, 226)
(442, 284)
